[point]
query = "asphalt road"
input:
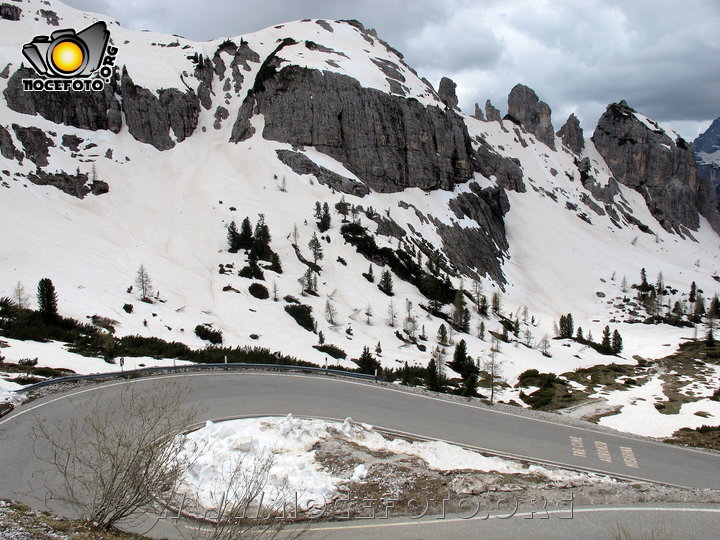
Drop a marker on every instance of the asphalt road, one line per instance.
(227, 395)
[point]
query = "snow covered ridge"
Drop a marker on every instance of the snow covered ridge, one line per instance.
(240, 448)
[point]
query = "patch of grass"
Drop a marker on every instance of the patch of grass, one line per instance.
(331, 350)
(702, 437)
(303, 315)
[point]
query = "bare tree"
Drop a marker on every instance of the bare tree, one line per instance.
(144, 283)
(330, 312)
(545, 345)
(113, 460)
(392, 314)
(369, 313)
(493, 367)
(20, 297)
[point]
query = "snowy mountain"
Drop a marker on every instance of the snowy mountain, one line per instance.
(187, 137)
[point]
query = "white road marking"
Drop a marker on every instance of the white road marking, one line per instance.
(577, 446)
(603, 452)
(629, 457)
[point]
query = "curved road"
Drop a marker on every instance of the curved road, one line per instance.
(231, 394)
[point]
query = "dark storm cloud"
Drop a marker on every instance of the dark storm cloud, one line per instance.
(659, 55)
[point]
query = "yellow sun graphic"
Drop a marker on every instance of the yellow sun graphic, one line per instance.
(67, 56)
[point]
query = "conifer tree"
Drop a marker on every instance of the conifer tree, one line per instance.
(461, 363)
(47, 299)
(367, 362)
(693, 292)
(144, 283)
(496, 303)
(318, 210)
(580, 337)
(325, 220)
(606, 342)
(699, 311)
(470, 384)
(261, 240)
(617, 344)
(378, 349)
(432, 381)
(481, 330)
(233, 238)
(386, 283)
(275, 265)
(315, 248)
(442, 335)
(245, 239)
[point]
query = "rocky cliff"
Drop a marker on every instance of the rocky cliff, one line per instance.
(526, 109)
(707, 156)
(572, 134)
(388, 142)
(660, 167)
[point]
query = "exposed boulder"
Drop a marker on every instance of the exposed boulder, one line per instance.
(643, 157)
(388, 142)
(150, 117)
(525, 108)
(447, 94)
(9, 12)
(572, 134)
(7, 147)
(301, 164)
(84, 110)
(72, 184)
(35, 143)
(491, 113)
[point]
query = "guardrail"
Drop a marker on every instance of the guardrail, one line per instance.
(195, 367)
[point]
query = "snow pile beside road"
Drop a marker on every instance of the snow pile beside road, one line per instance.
(233, 450)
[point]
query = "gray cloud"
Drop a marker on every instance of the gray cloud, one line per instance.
(659, 55)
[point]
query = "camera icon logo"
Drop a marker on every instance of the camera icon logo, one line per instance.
(68, 54)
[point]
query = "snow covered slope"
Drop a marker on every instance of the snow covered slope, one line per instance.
(175, 182)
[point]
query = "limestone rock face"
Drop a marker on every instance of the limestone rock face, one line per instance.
(478, 115)
(491, 113)
(35, 144)
(525, 107)
(572, 134)
(646, 159)
(447, 94)
(149, 117)
(84, 110)
(9, 12)
(7, 147)
(388, 142)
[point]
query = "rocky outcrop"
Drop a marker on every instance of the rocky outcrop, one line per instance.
(572, 134)
(149, 117)
(241, 56)
(7, 147)
(491, 113)
(478, 115)
(707, 156)
(72, 184)
(35, 143)
(507, 171)
(447, 93)
(525, 108)
(477, 250)
(709, 142)
(646, 159)
(10, 13)
(388, 142)
(301, 164)
(84, 110)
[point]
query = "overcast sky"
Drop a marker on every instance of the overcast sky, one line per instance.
(662, 56)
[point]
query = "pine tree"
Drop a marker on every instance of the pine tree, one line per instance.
(233, 238)
(617, 344)
(47, 299)
(370, 275)
(245, 240)
(470, 384)
(481, 330)
(714, 310)
(315, 248)
(318, 210)
(343, 209)
(606, 342)
(386, 283)
(261, 240)
(325, 220)
(496, 303)
(442, 335)
(710, 336)
(570, 328)
(378, 349)
(461, 363)
(660, 285)
(432, 381)
(144, 283)
(321, 337)
(275, 265)
(580, 337)
(483, 309)
(458, 309)
(693, 292)
(367, 362)
(644, 285)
